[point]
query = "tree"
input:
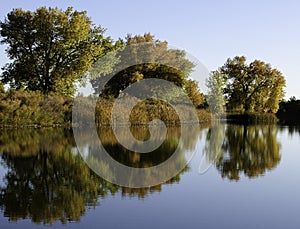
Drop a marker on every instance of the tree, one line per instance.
(255, 87)
(215, 96)
(50, 49)
(156, 62)
(289, 112)
(193, 92)
(292, 99)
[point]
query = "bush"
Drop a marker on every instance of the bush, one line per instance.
(145, 111)
(25, 108)
(18, 107)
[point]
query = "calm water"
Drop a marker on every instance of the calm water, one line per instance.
(240, 177)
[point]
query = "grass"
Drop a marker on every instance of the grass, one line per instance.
(33, 109)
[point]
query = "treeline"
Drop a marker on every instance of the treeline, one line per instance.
(53, 51)
(289, 111)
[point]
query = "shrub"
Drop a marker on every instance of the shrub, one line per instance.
(18, 107)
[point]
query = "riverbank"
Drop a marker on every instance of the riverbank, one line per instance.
(31, 109)
(251, 118)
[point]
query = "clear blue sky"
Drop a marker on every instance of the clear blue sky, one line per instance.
(212, 30)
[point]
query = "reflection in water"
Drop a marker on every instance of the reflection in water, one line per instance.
(213, 149)
(247, 149)
(292, 129)
(46, 180)
(133, 169)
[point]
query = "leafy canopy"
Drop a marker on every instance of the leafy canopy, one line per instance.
(156, 59)
(50, 49)
(252, 87)
(215, 96)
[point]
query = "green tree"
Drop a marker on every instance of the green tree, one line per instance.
(193, 92)
(156, 61)
(215, 96)
(50, 49)
(255, 87)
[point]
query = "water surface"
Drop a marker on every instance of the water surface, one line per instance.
(241, 176)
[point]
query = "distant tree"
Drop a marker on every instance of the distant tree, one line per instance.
(215, 96)
(289, 112)
(254, 87)
(50, 49)
(157, 61)
(292, 99)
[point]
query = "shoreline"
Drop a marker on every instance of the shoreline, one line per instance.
(251, 118)
(69, 125)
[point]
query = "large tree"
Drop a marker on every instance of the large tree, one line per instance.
(50, 49)
(254, 87)
(157, 61)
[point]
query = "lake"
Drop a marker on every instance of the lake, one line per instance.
(240, 176)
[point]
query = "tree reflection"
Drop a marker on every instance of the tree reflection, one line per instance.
(50, 182)
(97, 156)
(247, 149)
(292, 129)
(213, 148)
(46, 180)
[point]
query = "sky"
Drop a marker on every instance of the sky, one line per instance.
(212, 31)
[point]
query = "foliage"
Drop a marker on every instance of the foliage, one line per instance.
(32, 108)
(18, 107)
(289, 111)
(204, 115)
(50, 49)
(155, 60)
(193, 92)
(255, 87)
(2, 89)
(142, 113)
(215, 96)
